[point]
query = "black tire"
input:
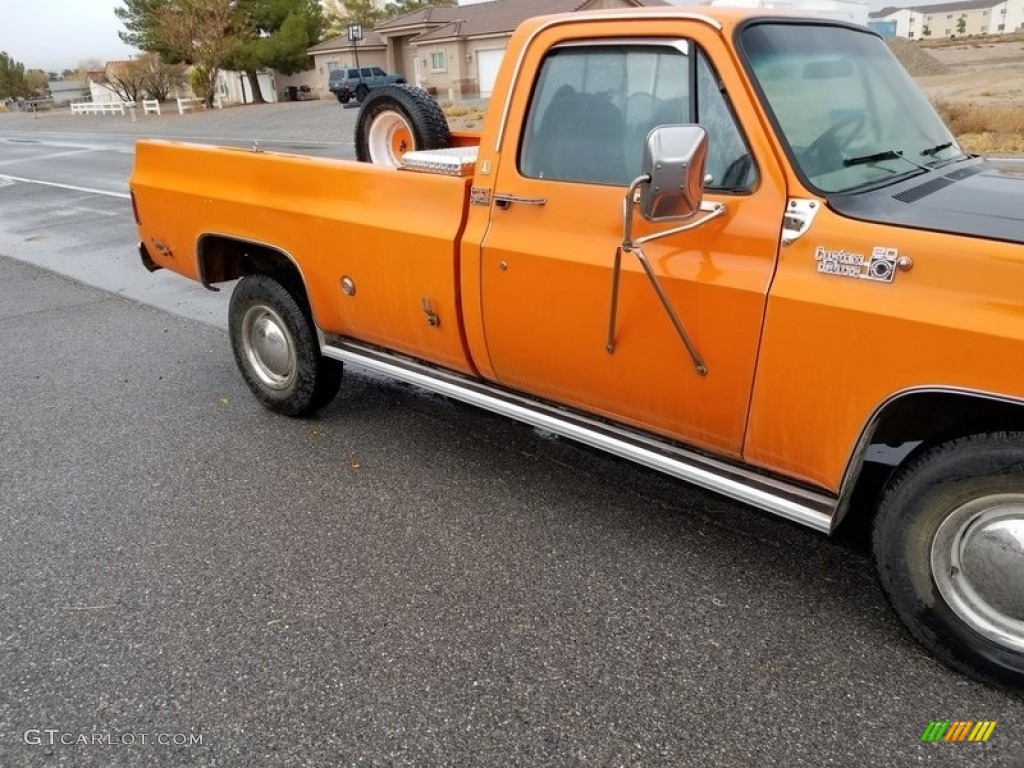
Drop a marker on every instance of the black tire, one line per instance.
(949, 546)
(276, 346)
(362, 91)
(399, 105)
(344, 97)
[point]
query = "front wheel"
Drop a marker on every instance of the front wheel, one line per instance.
(949, 545)
(277, 349)
(343, 97)
(362, 91)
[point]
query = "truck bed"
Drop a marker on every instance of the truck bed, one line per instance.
(333, 219)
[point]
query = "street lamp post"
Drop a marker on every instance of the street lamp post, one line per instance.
(355, 34)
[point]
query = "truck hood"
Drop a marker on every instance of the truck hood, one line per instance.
(967, 198)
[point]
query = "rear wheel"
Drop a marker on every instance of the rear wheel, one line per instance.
(396, 119)
(276, 346)
(949, 544)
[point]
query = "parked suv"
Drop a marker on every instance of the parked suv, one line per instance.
(349, 82)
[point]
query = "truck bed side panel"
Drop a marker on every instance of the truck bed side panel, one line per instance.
(393, 234)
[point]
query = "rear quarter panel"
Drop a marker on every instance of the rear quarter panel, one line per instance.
(394, 233)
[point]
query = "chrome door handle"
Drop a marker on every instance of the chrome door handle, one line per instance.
(504, 201)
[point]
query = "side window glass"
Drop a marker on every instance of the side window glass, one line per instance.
(377, 71)
(593, 107)
(366, 72)
(729, 162)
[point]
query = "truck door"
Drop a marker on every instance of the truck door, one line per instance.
(556, 220)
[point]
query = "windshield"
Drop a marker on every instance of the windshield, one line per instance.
(849, 112)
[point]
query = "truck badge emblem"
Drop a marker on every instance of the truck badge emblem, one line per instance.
(880, 267)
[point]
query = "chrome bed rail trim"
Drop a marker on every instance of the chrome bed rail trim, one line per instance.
(792, 502)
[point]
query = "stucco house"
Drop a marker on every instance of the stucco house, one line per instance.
(452, 51)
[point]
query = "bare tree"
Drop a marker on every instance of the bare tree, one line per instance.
(161, 79)
(125, 78)
(199, 32)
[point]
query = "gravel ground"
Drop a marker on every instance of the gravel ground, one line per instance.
(313, 121)
(916, 61)
(319, 121)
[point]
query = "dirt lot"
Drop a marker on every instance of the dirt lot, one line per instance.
(978, 86)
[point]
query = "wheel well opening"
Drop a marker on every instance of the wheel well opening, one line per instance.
(225, 258)
(908, 426)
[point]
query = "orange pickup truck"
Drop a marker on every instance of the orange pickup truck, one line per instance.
(736, 247)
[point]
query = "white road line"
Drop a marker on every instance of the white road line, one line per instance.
(71, 187)
(51, 156)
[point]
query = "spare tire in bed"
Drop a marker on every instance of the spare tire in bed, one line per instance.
(396, 119)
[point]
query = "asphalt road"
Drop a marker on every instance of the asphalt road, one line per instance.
(400, 581)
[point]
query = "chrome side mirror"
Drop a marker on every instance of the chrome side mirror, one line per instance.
(674, 158)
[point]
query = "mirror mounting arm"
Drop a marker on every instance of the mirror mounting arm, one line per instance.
(631, 245)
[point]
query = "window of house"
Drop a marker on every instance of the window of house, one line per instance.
(438, 61)
(593, 107)
(333, 65)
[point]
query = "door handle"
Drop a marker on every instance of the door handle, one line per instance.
(504, 201)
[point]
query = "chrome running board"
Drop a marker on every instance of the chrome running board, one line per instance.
(793, 502)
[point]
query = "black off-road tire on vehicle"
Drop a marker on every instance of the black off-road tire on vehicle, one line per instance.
(396, 119)
(344, 97)
(362, 91)
(276, 346)
(949, 546)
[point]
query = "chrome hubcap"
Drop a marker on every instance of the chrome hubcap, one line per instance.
(978, 566)
(269, 347)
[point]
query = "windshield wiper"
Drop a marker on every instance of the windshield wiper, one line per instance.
(865, 159)
(936, 149)
(889, 154)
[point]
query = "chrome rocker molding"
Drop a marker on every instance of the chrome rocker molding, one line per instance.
(793, 502)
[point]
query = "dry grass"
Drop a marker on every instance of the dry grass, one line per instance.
(463, 118)
(982, 128)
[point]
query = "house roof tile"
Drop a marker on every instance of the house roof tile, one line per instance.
(499, 17)
(428, 14)
(340, 43)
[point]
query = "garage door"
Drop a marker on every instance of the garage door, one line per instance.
(487, 63)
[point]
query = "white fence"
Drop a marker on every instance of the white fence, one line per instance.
(98, 108)
(184, 105)
(149, 107)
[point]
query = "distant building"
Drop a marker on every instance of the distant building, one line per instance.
(966, 17)
(447, 49)
(65, 91)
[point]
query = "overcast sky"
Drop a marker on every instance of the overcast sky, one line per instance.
(54, 35)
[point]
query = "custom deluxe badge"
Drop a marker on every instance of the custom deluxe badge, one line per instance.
(880, 266)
